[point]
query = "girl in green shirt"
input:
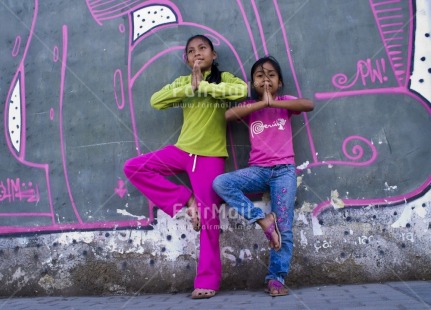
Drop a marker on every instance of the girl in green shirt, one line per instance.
(200, 151)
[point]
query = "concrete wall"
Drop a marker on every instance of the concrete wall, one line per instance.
(76, 78)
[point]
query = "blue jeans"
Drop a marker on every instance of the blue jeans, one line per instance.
(280, 181)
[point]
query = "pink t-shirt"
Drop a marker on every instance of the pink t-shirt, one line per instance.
(270, 134)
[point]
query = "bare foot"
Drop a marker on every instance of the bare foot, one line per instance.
(193, 212)
(202, 293)
(270, 229)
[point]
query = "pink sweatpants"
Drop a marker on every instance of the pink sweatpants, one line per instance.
(147, 172)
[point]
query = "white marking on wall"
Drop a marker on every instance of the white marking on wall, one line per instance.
(124, 212)
(304, 241)
(420, 78)
(151, 17)
(409, 210)
(336, 202)
(14, 117)
(245, 254)
(317, 228)
(303, 166)
(302, 217)
(390, 188)
(226, 253)
(19, 278)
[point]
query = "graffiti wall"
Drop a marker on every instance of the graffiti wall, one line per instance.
(76, 79)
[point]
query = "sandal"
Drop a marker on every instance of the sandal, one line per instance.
(270, 229)
(276, 288)
(201, 293)
(193, 212)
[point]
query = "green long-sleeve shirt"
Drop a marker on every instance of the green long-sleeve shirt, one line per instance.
(204, 126)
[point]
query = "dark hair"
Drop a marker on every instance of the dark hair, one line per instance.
(259, 63)
(215, 75)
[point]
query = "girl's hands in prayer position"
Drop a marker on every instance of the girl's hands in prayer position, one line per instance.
(196, 75)
(267, 96)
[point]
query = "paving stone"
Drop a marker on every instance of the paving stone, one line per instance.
(414, 295)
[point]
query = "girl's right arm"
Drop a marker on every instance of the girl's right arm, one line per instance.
(172, 93)
(244, 109)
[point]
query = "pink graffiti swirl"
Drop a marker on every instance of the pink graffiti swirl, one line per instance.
(357, 151)
(340, 81)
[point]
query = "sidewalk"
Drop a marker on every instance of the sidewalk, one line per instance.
(410, 295)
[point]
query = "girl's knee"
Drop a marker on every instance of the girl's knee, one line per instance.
(134, 164)
(127, 167)
(219, 183)
(216, 183)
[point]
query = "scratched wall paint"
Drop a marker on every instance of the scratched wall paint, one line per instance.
(76, 80)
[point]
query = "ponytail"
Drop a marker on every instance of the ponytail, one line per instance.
(215, 75)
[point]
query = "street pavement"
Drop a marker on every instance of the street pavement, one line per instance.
(410, 295)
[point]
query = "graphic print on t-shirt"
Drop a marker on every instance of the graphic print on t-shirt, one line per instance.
(258, 127)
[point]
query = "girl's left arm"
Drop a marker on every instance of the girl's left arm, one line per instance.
(230, 88)
(295, 105)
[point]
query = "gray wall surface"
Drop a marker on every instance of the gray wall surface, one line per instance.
(76, 78)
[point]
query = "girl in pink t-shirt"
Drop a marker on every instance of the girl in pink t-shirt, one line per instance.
(271, 166)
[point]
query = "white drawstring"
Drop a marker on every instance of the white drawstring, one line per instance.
(194, 161)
